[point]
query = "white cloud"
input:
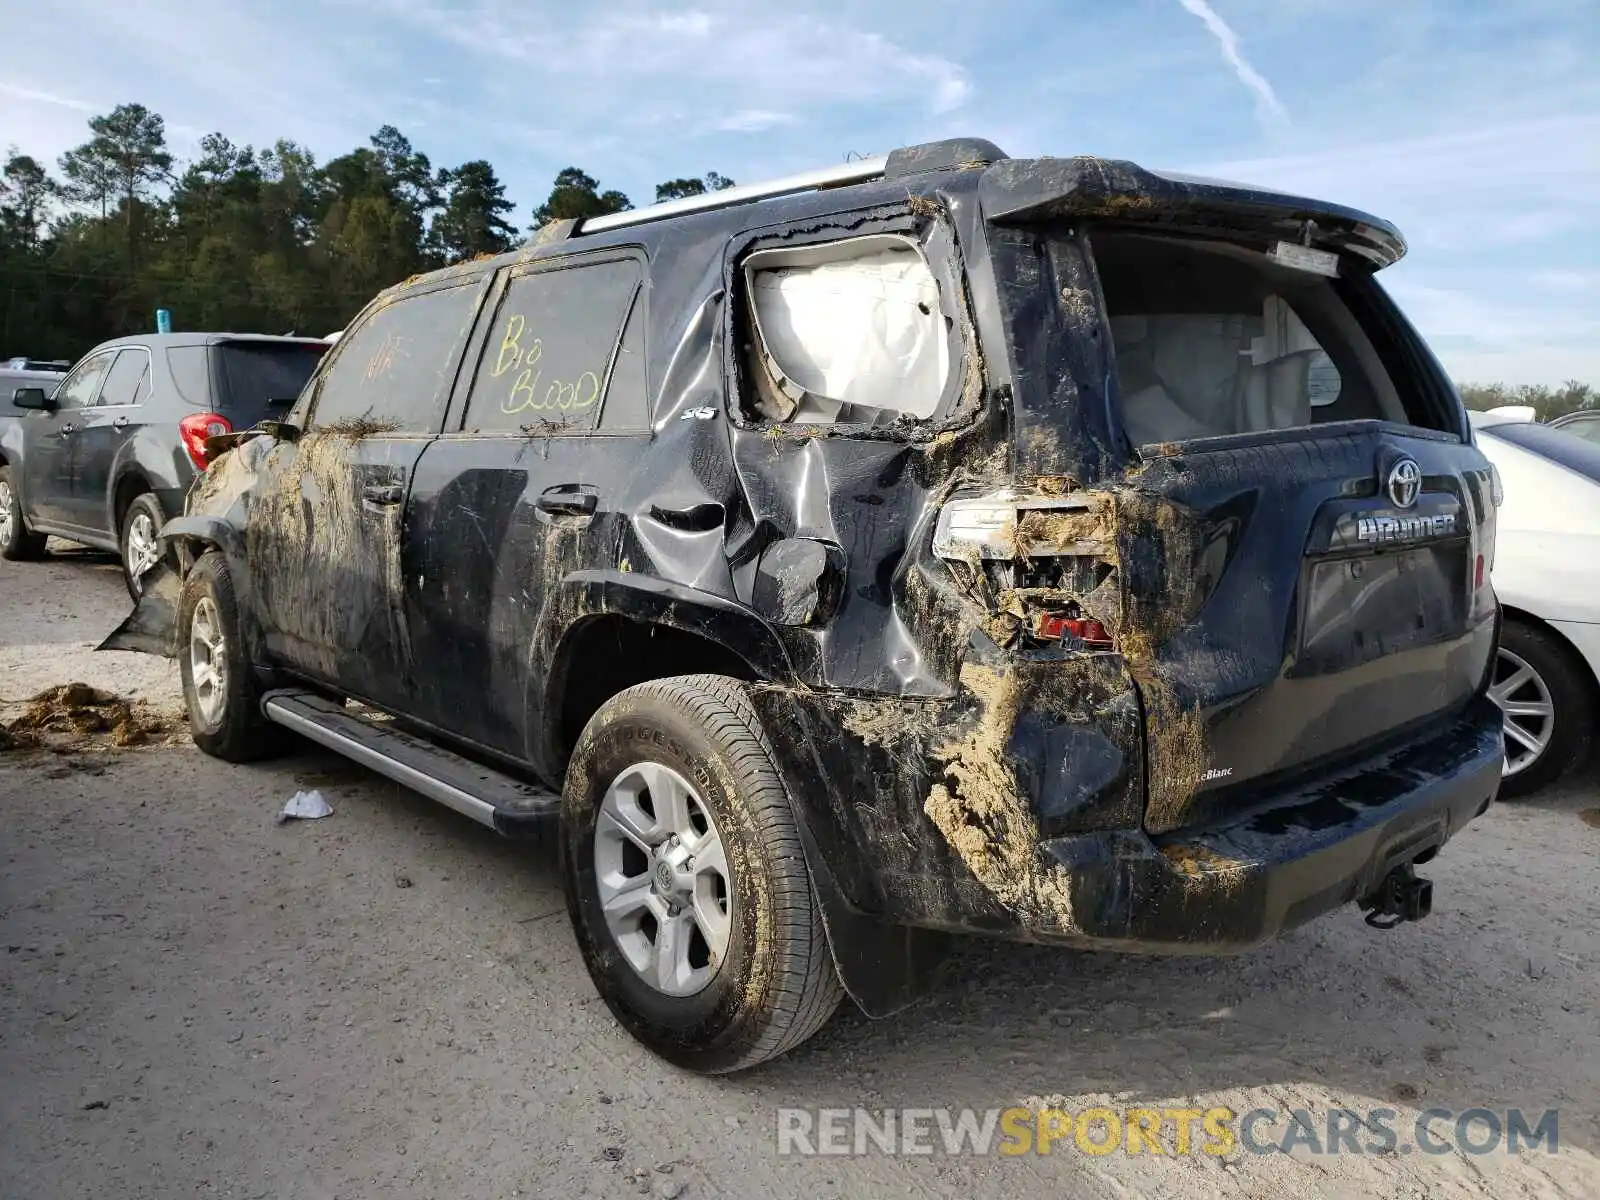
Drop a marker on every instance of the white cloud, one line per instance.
(1267, 101)
(1490, 185)
(753, 120)
(37, 97)
(754, 58)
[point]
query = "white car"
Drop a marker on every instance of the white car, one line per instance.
(1547, 576)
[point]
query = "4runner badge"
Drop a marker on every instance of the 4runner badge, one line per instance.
(1379, 530)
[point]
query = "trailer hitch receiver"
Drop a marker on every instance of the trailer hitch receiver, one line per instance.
(1401, 897)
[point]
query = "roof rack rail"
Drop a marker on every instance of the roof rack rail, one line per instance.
(952, 153)
(851, 172)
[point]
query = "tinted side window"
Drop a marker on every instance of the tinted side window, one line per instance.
(77, 390)
(391, 369)
(191, 374)
(125, 382)
(550, 351)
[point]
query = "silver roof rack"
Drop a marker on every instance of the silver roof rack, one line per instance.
(851, 172)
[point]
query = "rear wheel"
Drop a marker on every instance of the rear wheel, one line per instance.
(1548, 703)
(140, 540)
(17, 541)
(219, 683)
(686, 881)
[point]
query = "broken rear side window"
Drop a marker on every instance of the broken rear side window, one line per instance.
(1214, 339)
(551, 351)
(848, 332)
(389, 372)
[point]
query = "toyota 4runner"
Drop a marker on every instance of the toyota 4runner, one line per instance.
(942, 543)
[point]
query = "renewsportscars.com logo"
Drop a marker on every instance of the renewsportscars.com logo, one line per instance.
(1163, 1131)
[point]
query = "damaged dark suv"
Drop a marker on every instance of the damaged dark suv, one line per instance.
(943, 543)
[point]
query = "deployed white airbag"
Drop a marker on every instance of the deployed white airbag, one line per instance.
(854, 322)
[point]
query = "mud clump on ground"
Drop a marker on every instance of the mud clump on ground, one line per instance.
(76, 715)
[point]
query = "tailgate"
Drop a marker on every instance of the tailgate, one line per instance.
(1303, 617)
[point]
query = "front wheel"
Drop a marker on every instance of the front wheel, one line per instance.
(219, 683)
(686, 881)
(17, 541)
(1548, 703)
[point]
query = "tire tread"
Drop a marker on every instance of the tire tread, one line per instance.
(804, 989)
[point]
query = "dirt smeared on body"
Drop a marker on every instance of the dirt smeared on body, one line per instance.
(982, 812)
(1127, 559)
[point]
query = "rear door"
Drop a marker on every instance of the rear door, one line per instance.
(1304, 556)
(528, 489)
(325, 533)
(49, 448)
(107, 426)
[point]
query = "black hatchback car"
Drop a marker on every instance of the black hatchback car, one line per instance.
(1052, 549)
(106, 457)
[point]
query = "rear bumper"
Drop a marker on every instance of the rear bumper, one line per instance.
(1222, 885)
(1242, 882)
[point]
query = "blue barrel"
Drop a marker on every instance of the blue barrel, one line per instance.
(163, 320)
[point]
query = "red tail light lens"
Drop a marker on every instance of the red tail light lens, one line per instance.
(195, 429)
(1054, 626)
(1477, 574)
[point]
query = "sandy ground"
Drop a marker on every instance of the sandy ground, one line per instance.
(388, 1002)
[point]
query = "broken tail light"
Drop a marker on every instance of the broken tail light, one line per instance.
(983, 527)
(1055, 627)
(195, 429)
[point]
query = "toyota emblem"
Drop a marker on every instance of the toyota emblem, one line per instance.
(1405, 481)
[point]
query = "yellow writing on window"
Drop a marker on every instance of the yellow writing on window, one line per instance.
(383, 358)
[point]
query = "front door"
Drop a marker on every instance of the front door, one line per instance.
(49, 449)
(324, 538)
(105, 428)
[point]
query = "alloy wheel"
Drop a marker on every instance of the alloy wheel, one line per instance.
(144, 547)
(1529, 711)
(663, 878)
(207, 665)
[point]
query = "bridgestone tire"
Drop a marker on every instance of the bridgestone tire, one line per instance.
(776, 984)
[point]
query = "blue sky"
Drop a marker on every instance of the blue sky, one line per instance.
(1474, 125)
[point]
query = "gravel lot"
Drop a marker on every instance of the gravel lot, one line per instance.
(198, 1001)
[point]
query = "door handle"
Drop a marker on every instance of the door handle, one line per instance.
(120, 423)
(568, 502)
(66, 430)
(383, 493)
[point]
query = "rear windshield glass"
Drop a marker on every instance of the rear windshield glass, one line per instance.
(1559, 446)
(1213, 339)
(262, 380)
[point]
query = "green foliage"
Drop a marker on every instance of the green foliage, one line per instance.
(1547, 402)
(239, 238)
(679, 189)
(577, 195)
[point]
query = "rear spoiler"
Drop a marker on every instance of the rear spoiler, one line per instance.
(1018, 191)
